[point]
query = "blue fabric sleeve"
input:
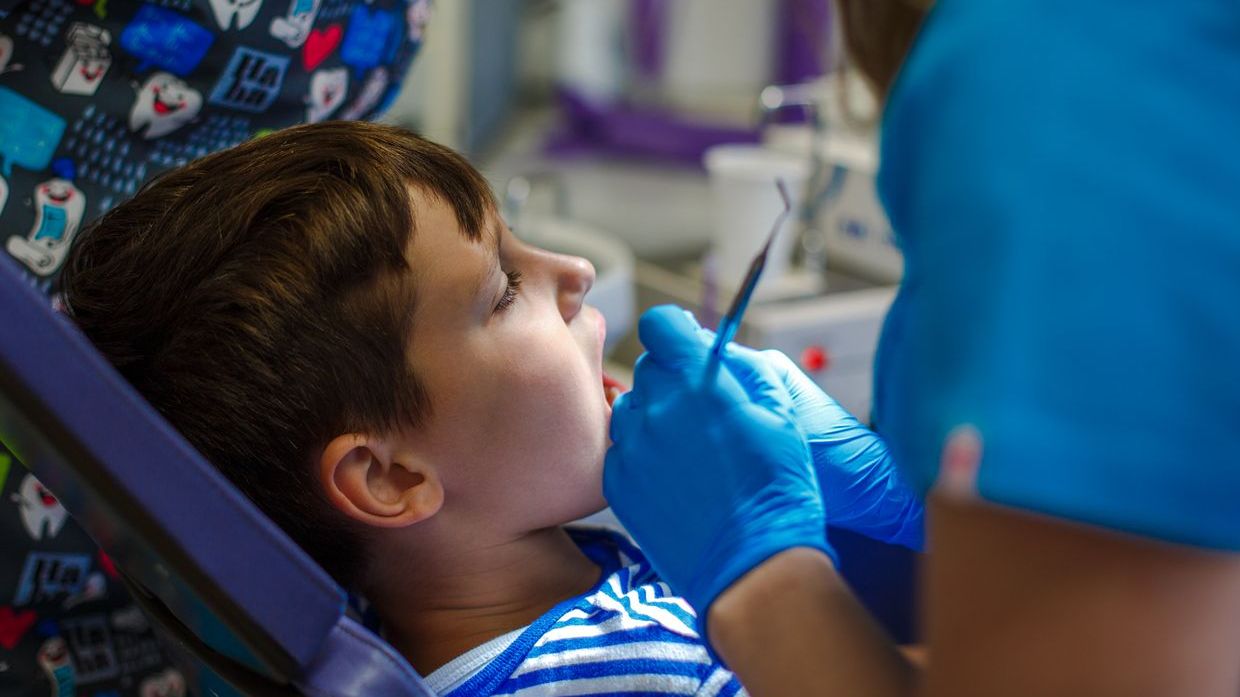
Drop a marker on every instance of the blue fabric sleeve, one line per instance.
(1064, 179)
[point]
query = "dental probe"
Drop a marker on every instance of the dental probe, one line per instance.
(732, 320)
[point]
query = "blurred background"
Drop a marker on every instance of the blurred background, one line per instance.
(595, 121)
(646, 136)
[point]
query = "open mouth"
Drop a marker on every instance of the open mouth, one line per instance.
(612, 388)
(162, 107)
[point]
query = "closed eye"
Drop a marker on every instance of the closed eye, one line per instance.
(510, 292)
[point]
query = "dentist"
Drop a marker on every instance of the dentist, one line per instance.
(1058, 371)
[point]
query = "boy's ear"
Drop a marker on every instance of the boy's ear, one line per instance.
(377, 483)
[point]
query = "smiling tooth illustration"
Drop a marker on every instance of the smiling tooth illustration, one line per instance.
(164, 104)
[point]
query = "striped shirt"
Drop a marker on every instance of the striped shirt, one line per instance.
(629, 635)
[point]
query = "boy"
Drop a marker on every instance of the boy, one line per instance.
(335, 316)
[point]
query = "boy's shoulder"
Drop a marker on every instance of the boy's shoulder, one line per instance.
(629, 587)
(628, 634)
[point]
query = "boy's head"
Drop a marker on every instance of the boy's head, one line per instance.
(335, 316)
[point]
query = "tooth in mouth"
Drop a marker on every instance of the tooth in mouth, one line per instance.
(612, 388)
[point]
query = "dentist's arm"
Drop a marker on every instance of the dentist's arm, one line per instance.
(792, 627)
(716, 482)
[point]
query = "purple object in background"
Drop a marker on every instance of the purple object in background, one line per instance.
(802, 42)
(804, 35)
(620, 129)
(649, 18)
(617, 129)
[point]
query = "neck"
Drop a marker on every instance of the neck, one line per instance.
(437, 605)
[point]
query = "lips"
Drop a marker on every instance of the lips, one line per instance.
(612, 388)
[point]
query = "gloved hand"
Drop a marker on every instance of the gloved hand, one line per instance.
(862, 489)
(711, 478)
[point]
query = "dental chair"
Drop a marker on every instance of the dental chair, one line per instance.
(252, 613)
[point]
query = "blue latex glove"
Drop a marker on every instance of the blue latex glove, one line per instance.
(711, 478)
(862, 489)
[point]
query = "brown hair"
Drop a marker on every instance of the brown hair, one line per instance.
(260, 299)
(878, 35)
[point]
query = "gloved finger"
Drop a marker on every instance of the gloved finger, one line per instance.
(759, 379)
(636, 392)
(625, 417)
(798, 383)
(782, 365)
(614, 473)
(671, 336)
(706, 335)
(768, 370)
(771, 364)
(657, 385)
(813, 404)
(654, 380)
(779, 365)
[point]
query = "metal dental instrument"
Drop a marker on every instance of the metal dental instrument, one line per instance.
(732, 320)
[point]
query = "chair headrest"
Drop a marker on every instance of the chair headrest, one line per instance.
(166, 516)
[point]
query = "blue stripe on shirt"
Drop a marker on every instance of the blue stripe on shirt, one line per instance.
(644, 634)
(598, 669)
(626, 636)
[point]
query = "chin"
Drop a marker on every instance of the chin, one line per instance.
(592, 501)
(597, 505)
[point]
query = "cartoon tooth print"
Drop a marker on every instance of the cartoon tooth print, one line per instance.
(370, 94)
(243, 11)
(53, 658)
(164, 104)
(58, 209)
(417, 16)
(327, 91)
(85, 61)
(166, 684)
(41, 513)
(294, 27)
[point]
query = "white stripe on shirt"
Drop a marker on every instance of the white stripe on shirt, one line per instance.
(667, 684)
(629, 634)
(656, 650)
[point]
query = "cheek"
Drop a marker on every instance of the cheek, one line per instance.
(554, 406)
(545, 431)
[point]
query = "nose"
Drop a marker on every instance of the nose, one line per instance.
(575, 277)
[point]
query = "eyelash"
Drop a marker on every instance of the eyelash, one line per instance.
(510, 293)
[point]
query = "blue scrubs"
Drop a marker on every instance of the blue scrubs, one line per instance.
(1064, 178)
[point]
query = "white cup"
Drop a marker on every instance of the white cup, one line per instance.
(746, 202)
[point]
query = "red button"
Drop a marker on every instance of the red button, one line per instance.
(815, 359)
